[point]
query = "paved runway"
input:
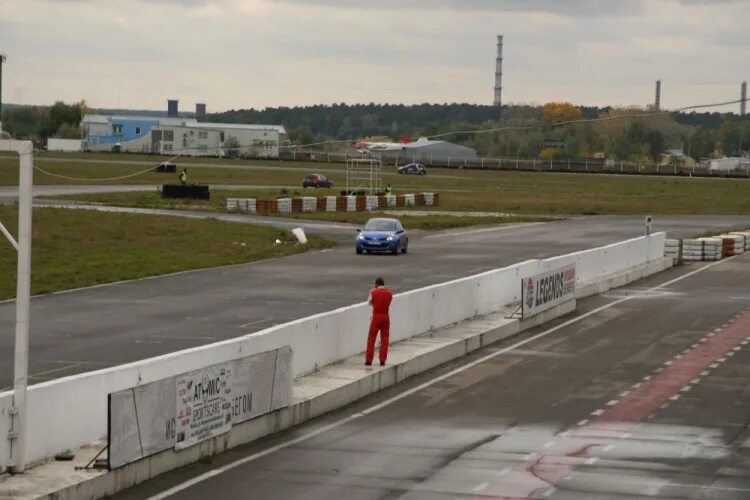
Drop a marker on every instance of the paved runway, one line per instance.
(88, 329)
(641, 398)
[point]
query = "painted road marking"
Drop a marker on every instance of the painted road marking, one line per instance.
(388, 402)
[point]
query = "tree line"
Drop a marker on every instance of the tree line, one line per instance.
(527, 130)
(41, 122)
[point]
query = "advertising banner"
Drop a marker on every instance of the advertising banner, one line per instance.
(203, 404)
(546, 290)
(180, 411)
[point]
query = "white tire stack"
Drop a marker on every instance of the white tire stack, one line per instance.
(712, 248)
(242, 205)
(692, 250)
(284, 205)
(699, 249)
(672, 249)
(309, 204)
(746, 236)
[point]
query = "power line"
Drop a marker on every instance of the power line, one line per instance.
(588, 120)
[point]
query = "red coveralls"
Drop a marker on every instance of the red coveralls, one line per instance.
(380, 298)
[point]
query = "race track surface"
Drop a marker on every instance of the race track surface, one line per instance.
(641, 393)
(103, 326)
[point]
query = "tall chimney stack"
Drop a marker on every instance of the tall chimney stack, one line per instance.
(657, 101)
(2, 60)
(499, 73)
(200, 111)
(172, 111)
(743, 96)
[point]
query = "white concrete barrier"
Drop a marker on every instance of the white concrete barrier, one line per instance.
(409, 200)
(429, 199)
(72, 411)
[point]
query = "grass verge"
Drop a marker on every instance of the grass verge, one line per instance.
(460, 190)
(152, 199)
(75, 248)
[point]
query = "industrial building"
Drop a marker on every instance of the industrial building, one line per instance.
(427, 151)
(187, 136)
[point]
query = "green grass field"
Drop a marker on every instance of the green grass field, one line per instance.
(461, 190)
(75, 248)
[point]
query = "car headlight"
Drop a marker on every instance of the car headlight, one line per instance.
(391, 238)
(361, 236)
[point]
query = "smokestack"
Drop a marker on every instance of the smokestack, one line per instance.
(172, 108)
(499, 73)
(743, 96)
(200, 111)
(657, 101)
(2, 60)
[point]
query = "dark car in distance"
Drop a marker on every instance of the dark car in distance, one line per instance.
(165, 166)
(412, 169)
(317, 181)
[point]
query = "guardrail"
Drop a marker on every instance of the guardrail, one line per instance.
(70, 412)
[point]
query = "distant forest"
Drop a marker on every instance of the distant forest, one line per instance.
(642, 139)
(700, 135)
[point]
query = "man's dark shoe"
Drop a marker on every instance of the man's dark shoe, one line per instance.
(368, 364)
(382, 364)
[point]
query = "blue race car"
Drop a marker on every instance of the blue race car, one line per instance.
(382, 235)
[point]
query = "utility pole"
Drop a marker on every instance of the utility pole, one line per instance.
(18, 415)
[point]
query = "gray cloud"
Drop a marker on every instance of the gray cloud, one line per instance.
(564, 7)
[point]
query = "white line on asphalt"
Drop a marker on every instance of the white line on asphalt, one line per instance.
(484, 230)
(334, 425)
(480, 487)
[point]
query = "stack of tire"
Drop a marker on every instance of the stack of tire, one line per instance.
(746, 236)
(700, 249)
(732, 244)
(672, 249)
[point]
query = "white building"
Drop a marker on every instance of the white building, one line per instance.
(180, 135)
(427, 151)
(727, 163)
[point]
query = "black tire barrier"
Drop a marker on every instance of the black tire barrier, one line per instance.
(186, 191)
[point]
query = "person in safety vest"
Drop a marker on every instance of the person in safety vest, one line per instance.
(388, 190)
(183, 176)
(380, 299)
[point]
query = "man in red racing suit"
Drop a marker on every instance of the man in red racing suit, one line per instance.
(380, 299)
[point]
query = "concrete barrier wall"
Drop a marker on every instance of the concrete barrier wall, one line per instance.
(71, 412)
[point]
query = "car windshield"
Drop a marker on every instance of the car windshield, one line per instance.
(380, 225)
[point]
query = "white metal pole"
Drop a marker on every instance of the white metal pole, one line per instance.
(23, 299)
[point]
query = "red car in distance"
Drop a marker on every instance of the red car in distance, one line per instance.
(317, 181)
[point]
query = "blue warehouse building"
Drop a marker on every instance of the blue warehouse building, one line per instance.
(104, 130)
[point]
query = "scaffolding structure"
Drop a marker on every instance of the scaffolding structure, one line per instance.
(363, 176)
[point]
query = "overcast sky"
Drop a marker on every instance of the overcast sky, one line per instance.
(263, 53)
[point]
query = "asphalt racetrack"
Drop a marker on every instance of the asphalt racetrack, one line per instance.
(641, 393)
(102, 326)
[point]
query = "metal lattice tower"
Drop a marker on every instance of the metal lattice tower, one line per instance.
(498, 101)
(364, 175)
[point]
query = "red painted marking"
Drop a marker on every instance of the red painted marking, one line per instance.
(644, 400)
(568, 452)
